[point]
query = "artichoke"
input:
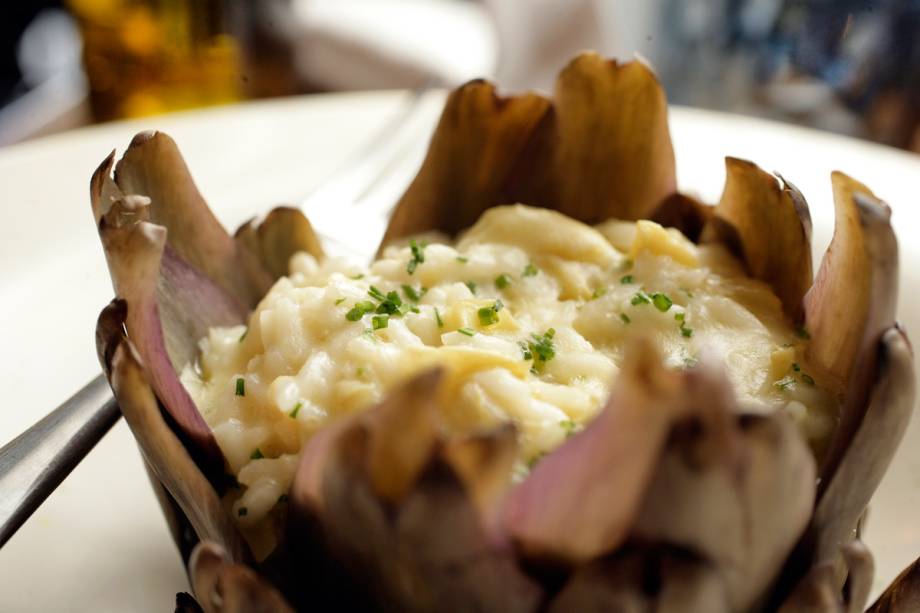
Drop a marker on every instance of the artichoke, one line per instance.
(674, 498)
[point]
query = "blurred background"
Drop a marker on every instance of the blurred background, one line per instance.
(848, 66)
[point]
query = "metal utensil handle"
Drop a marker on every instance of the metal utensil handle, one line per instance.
(33, 464)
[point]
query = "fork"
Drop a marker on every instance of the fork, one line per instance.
(367, 185)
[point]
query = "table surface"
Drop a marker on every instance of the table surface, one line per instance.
(99, 543)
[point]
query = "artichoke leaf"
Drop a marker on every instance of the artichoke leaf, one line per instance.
(169, 305)
(685, 213)
(604, 150)
(872, 446)
(477, 139)
(422, 547)
(682, 584)
(278, 236)
(153, 167)
(765, 478)
(773, 226)
(222, 585)
(167, 457)
(581, 500)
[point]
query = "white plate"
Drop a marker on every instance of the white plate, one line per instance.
(99, 542)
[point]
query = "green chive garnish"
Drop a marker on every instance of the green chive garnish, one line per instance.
(256, 455)
(503, 280)
(625, 318)
(640, 298)
(466, 331)
(530, 270)
(296, 410)
(379, 322)
(662, 302)
(437, 317)
(418, 255)
(240, 387)
(627, 279)
(243, 335)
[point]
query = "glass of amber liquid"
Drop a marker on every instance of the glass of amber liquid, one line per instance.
(144, 57)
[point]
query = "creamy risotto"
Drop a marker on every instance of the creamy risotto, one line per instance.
(528, 313)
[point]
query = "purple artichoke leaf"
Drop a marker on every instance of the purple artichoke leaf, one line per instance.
(581, 501)
(167, 457)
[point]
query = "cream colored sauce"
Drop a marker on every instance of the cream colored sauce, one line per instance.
(303, 363)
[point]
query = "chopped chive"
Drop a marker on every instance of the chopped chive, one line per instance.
(376, 294)
(357, 276)
(598, 292)
(339, 301)
(296, 410)
(807, 379)
(627, 279)
(685, 331)
(380, 321)
(369, 335)
(542, 347)
(242, 512)
(802, 333)
(662, 302)
(535, 460)
(240, 386)
(530, 270)
(466, 331)
(437, 317)
(640, 298)
(413, 294)
(462, 259)
(489, 315)
(256, 455)
(243, 335)
(569, 426)
(503, 280)
(679, 316)
(359, 310)
(625, 318)
(471, 285)
(626, 264)
(418, 255)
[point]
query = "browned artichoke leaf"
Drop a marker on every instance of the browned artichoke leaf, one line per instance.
(644, 581)
(581, 500)
(426, 547)
(855, 292)
(740, 503)
(773, 226)
(604, 150)
(274, 239)
(478, 138)
(903, 595)
(153, 167)
(166, 456)
(222, 585)
(685, 213)
(849, 488)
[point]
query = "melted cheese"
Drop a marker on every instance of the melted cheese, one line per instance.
(520, 282)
